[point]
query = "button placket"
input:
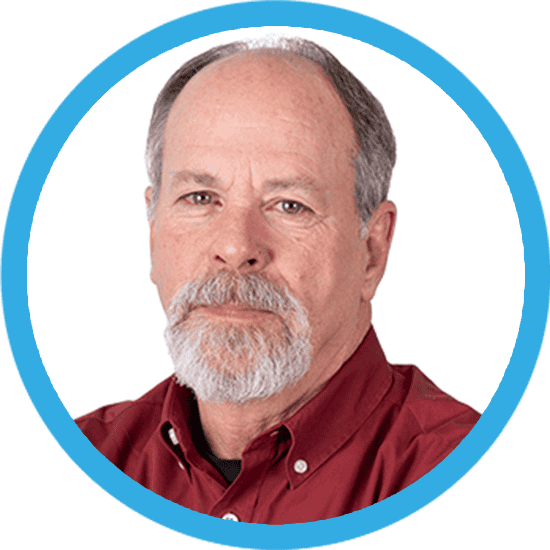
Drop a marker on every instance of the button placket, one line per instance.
(241, 496)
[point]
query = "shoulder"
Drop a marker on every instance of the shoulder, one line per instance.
(125, 425)
(428, 425)
(428, 408)
(418, 426)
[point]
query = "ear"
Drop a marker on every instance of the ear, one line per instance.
(380, 229)
(148, 194)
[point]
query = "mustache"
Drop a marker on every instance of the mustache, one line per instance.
(223, 361)
(224, 287)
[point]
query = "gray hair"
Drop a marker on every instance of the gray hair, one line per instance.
(209, 356)
(374, 155)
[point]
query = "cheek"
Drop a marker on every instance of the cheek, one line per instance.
(330, 279)
(173, 263)
(309, 269)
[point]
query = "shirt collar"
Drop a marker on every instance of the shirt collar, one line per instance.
(320, 427)
(326, 422)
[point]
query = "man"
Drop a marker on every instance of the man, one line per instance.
(269, 233)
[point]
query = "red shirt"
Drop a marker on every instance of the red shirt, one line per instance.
(374, 429)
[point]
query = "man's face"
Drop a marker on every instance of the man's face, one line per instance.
(258, 179)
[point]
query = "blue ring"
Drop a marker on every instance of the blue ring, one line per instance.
(294, 14)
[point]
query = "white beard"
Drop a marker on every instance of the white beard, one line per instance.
(224, 361)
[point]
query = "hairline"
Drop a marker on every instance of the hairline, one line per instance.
(327, 64)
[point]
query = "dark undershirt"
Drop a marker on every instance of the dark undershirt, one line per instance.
(229, 469)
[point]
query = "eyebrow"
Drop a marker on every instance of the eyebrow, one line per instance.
(302, 183)
(202, 178)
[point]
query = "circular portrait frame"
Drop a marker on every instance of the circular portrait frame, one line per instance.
(288, 14)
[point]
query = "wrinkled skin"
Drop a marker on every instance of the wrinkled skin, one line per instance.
(257, 178)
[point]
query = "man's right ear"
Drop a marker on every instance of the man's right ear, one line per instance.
(148, 194)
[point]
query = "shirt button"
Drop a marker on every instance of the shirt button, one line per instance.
(181, 465)
(173, 437)
(230, 516)
(300, 466)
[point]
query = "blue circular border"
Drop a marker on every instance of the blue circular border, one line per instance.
(292, 14)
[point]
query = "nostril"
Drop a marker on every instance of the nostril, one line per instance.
(252, 261)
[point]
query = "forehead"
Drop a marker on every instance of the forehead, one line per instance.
(262, 87)
(261, 106)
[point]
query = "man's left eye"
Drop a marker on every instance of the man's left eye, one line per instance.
(292, 207)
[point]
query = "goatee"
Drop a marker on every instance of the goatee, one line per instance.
(224, 360)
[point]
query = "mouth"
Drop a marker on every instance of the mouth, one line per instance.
(234, 311)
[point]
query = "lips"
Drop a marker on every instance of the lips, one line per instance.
(235, 311)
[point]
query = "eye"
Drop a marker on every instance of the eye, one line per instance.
(200, 198)
(292, 207)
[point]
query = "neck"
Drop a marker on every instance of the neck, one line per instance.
(228, 428)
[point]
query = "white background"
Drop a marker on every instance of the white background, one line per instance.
(457, 249)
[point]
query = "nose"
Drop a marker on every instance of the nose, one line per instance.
(241, 242)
